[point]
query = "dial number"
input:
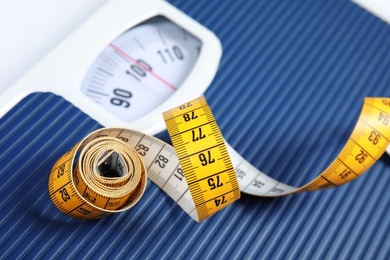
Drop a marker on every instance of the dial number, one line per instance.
(120, 100)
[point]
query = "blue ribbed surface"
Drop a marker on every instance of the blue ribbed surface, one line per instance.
(288, 92)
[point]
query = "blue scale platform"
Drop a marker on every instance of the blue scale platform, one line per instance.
(288, 92)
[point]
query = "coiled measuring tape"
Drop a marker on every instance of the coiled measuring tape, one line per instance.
(113, 165)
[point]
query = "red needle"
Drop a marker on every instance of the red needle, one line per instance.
(142, 66)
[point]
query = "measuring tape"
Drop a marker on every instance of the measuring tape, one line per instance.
(365, 146)
(113, 165)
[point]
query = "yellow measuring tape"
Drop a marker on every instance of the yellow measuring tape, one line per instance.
(107, 171)
(112, 165)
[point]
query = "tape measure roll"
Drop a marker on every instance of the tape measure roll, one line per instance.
(112, 165)
(108, 177)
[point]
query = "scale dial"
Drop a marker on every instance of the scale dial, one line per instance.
(141, 68)
(126, 64)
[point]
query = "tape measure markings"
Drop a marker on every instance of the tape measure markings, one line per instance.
(342, 162)
(255, 182)
(203, 156)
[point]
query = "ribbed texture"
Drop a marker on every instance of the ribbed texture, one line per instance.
(290, 86)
